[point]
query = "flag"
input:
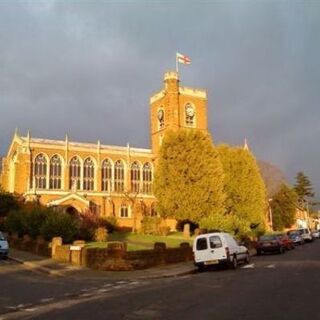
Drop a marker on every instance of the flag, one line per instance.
(181, 58)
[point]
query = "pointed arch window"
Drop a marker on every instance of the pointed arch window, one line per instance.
(119, 176)
(88, 174)
(106, 174)
(147, 178)
(40, 171)
(135, 177)
(124, 211)
(55, 172)
(75, 173)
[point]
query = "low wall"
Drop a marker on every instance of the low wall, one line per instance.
(38, 246)
(116, 257)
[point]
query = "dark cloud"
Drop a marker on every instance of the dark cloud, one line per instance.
(87, 68)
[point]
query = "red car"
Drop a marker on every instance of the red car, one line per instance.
(270, 243)
(287, 242)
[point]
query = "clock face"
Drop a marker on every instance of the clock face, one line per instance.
(160, 114)
(190, 111)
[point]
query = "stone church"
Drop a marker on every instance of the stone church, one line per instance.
(107, 180)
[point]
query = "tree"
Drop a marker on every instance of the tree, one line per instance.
(303, 187)
(188, 181)
(8, 202)
(245, 191)
(284, 206)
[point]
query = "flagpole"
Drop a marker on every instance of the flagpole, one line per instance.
(177, 64)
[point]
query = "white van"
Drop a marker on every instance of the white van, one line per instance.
(4, 246)
(218, 248)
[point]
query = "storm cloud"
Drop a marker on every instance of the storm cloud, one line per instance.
(88, 68)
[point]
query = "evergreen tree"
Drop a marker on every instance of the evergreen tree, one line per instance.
(245, 190)
(303, 187)
(189, 177)
(284, 206)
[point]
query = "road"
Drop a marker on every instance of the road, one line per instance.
(271, 287)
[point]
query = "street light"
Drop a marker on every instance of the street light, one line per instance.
(270, 214)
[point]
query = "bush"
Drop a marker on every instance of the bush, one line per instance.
(101, 234)
(164, 231)
(35, 219)
(8, 203)
(110, 223)
(16, 222)
(150, 225)
(60, 225)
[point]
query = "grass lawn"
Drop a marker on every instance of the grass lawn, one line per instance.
(141, 241)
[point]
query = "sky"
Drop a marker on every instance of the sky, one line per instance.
(88, 68)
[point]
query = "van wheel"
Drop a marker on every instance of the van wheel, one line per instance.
(247, 259)
(234, 263)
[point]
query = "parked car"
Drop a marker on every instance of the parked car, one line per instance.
(306, 234)
(295, 236)
(218, 248)
(270, 243)
(4, 246)
(287, 242)
(315, 234)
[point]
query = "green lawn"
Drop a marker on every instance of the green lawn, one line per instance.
(142, 242)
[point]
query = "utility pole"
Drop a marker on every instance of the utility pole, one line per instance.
(270, 214)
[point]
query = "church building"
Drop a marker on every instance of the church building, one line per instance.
(107, 180)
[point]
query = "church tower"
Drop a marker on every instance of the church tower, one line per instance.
(176, 107)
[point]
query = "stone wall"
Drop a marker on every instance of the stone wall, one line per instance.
(38, 246)
(116, 257)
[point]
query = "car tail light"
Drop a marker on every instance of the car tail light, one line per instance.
(227, 252)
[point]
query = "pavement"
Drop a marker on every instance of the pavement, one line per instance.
(53, 268)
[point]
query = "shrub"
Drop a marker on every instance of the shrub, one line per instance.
(150, 225)
(101, 234)
(35, 219)
(60, 225)
(110, 223)
(164, 231)
(16, 222)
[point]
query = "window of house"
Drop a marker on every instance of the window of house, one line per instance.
(135, 177)
(124, 211)
(106, 173)
(55, 172)
(119, 176)
(147, 178)
(88, 174)
(74, 173)
(40, 171)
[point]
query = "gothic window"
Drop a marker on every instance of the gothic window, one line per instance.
(124, 211)
(147, 178)
(119, 176)
(106, 173)
(135, 177)
(74, 173)
(55, 172)
(160, 116)
(88, 174)
(190, 115)
(40, 171)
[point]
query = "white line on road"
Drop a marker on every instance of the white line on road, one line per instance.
(271, 266)
(248, 266)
